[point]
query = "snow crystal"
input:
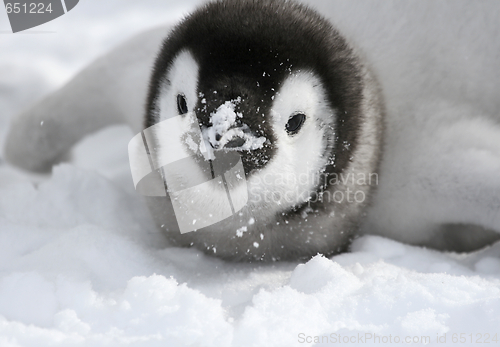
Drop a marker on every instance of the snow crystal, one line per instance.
(241, 230)
(223, 128)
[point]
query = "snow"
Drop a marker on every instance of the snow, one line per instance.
(223, 122)
(81, 263)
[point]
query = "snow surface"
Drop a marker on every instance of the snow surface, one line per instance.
(81, 263)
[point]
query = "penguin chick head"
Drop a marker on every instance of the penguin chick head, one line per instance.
(275, 82)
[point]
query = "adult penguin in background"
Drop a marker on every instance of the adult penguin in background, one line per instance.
(301, 111)
(305, 116)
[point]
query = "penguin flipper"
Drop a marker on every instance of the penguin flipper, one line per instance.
(110, 90)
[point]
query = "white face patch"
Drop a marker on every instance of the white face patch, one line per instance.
(200, 194)
(182, 78)
(293, 173)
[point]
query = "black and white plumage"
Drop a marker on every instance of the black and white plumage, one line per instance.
(440, 155)
(300, 86)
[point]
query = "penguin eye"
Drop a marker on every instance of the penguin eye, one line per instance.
(182, 107)
(295, 123)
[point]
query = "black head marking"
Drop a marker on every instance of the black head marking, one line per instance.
(246, 48)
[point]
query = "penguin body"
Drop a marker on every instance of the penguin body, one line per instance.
(274, 84)
(307, 123)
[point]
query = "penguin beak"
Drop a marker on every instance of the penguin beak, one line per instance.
(235, 142)
(228, 130)
(237, 139)
(233, 139)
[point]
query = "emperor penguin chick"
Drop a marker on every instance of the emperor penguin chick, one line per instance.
(273, 84)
